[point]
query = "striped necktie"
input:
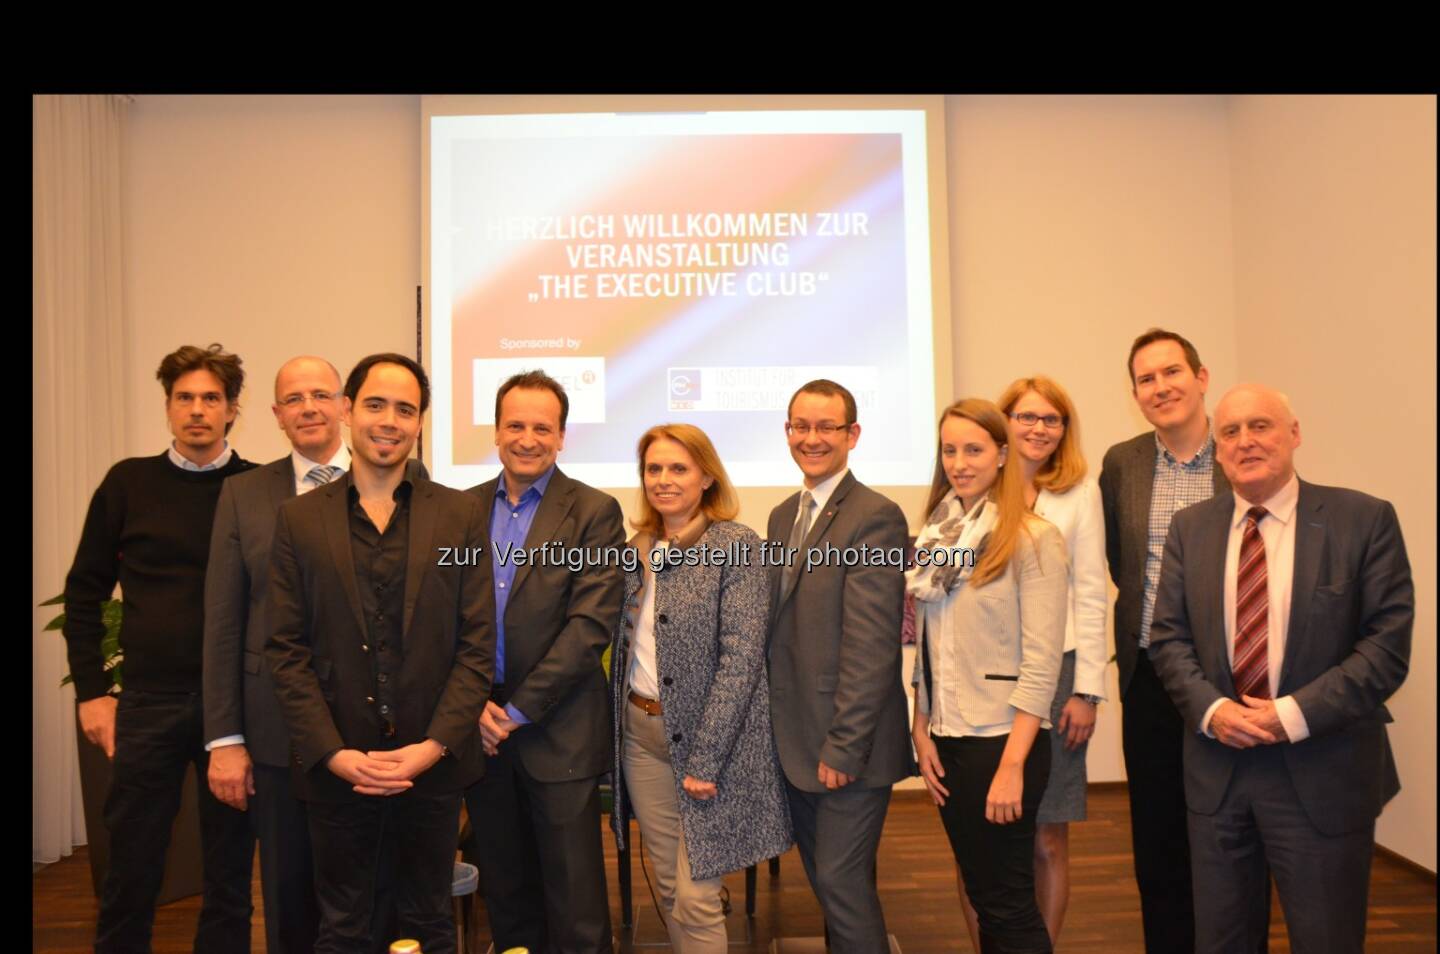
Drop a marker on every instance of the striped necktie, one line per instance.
(322, 474)
(1251, 660)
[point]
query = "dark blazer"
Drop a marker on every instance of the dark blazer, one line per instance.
(557, 626)
(239, 691)
(834, 647)
(1347, 649)
(1127, 477)
(318, 652)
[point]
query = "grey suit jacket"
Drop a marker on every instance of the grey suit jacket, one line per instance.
(834, 647)
(239, 690)
(1347, 649)
(1126, 479)
(557, 626)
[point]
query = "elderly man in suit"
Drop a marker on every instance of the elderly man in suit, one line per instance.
(837, 703)
(381, 646)
(535, 816)
(1143, 482)
(1282, 625)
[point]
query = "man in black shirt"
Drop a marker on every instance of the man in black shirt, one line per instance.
(148, 528)
(382, 646)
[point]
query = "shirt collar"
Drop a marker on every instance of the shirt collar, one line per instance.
(821, 492)
(402, 489)
(184, 463)
(1281, 506)
(1204, 454)
(541, 482)
(303, 465)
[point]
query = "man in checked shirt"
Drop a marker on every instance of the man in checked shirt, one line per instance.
(1144, 481)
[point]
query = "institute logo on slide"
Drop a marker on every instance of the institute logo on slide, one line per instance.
(684, 384)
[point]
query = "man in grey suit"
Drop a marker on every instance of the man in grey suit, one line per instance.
(1143, 483)
(245, 735)
(1282, 624)
(837, 704)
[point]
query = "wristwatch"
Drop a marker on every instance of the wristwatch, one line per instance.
(1089, 697)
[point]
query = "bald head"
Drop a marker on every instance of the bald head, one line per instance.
(1256, 434)
(307, 406)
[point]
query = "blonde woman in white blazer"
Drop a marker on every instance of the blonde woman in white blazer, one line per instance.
(1045, 436)
(990, 586)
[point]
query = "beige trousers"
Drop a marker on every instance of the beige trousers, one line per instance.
(693, 911)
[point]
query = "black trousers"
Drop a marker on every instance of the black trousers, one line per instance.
(158, 734)
(287, 877)
(998, 861)
(408, 839)
(542, 866)
(1153, 736)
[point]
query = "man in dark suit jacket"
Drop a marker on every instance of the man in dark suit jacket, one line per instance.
(248, 744)
(535, 816)
(381, 647)
(837, 703)
(1143, 483)
(1282, 625)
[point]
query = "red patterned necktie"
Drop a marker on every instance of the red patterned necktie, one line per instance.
(1251, 665)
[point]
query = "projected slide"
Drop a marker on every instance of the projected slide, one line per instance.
(682, 267)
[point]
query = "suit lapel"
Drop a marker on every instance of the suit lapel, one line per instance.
(554, 506)
(1141, 490)
(337, 530)
(818, 529)
(1310, 533)
(282, 482)
(424, 510)
(1213, 539)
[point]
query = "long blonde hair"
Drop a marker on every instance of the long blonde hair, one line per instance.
(1066, 466)
(1007, 493)
(718, 502)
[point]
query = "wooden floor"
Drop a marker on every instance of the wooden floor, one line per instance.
(917, 889)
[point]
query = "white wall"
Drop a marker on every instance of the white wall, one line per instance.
(1075, 224)
(1335, 294)
(278, 225)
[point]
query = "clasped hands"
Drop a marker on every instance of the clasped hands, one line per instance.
(387, 772)
(1246, 726)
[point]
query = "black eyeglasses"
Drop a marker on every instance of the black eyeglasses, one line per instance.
(1029, 419)
(824, 428)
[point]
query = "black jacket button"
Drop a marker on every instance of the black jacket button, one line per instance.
(676, 737)
(668, 681)
(662, 618)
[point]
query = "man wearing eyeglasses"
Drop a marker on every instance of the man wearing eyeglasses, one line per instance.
(836, 700)
(245, 735)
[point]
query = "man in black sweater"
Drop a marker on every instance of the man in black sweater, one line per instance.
(148, 528)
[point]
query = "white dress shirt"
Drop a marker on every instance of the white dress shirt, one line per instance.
(185, 463)
(821, 492)
(643, 669)
(303, 465)
(1277, 533)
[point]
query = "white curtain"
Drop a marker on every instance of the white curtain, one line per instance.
(77, 393)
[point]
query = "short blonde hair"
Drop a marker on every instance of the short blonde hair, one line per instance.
(1066, 466)
(718, 502)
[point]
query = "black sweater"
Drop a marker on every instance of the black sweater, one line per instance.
(149, 528)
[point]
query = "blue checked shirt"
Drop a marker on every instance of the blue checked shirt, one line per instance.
(1176, 487)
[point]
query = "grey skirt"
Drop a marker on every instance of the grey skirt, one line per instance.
(1064, 799)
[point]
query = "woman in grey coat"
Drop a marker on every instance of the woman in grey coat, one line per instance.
(694, 756)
